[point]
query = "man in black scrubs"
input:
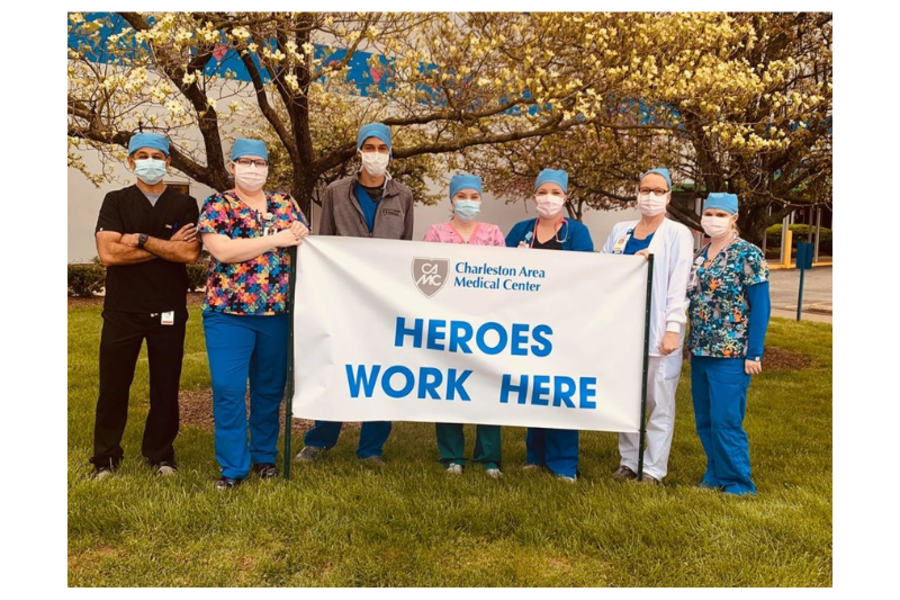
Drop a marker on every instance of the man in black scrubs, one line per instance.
(145, 235)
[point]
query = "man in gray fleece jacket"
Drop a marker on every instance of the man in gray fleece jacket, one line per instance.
(370, 204)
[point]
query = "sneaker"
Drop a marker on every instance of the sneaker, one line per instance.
(566, 478)
(265, 470)
(494, 473)
(623, 473)
(373, 460)
(650, 479)
(454, 469)
(310, 454)
(228, 483)
(531, 467)
(165, 468)
(102, 473)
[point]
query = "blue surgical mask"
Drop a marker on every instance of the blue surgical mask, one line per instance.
(466, 210)
(150, 170)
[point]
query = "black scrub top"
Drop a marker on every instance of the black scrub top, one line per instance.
(156, 285)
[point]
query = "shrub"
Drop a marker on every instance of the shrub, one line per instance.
(196, 277)
(85, 280)
(801, 233)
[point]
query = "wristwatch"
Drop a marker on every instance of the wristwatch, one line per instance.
(142, 239)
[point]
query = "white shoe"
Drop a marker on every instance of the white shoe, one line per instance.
(566, 478)
(102, 473)
(494, 473)
(454, 469)
(165, 468)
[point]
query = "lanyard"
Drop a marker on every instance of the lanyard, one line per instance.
(619, 248)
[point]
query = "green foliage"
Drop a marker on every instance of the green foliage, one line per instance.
(196, 277)
(341, 523)
(86, 280)
(801, 233)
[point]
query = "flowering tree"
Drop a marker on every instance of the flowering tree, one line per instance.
(731, 102)
(738, 103)
(449, 82)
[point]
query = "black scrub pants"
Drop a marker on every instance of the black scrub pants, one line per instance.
(120, 343)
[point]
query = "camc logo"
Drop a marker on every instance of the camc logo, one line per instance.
(430, 274)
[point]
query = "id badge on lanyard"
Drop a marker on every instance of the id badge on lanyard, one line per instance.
(619, 248)
(694, 279)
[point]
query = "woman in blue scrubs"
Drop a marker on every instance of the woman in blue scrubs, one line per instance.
(729, 315)
(555, 449)
(247, 231)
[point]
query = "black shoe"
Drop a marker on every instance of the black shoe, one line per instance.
(228, 483)
(265, 470)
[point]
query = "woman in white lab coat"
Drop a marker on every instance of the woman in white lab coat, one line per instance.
(671, 244)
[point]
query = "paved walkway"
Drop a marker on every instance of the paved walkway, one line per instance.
(817, 293)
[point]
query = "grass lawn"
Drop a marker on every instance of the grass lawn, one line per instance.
(341, 523)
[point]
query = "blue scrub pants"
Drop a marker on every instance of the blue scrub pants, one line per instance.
(719, 392)
(374, 434)
(556, 449)
(241, 347)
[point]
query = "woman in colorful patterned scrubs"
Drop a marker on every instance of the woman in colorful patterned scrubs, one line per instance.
(245, 314)
(463, 228)
(729, 315)
(556, 449)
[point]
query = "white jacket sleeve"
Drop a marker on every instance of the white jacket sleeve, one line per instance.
(681, 259)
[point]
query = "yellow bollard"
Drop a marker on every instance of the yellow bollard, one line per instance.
(787, 246)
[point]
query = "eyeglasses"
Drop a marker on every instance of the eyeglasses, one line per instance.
(655, 191)
(246, 162)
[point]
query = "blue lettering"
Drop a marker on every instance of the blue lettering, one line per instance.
(541, 387)
(501, 343)
(455, 385)
(460, 334)
(407, 387)
(429, 380)
(436, 334)
(563, 388)
(519, 339)
(587, 392)
(543, 346)
(507, 386)
(415, 333)
(360, 378)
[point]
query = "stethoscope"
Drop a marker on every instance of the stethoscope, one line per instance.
(532, 235)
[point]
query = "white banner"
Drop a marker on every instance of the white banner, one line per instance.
(389, 330)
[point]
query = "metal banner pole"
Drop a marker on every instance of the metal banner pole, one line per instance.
(289, 401)
(640, 473)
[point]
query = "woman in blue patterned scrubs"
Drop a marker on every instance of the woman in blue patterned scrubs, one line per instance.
(729, 315)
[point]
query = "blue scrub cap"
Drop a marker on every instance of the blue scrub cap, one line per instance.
(376, 130)
(561, 178)
(464, 181)
(721, 201)
(660, 171)
(148, 140)
(249, 148)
